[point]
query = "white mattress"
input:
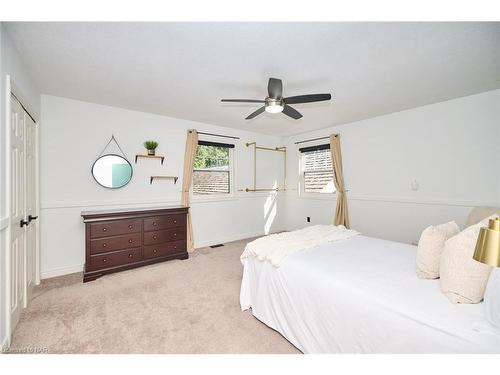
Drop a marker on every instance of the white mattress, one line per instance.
(361, 295)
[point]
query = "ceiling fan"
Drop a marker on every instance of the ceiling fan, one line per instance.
(275, 103)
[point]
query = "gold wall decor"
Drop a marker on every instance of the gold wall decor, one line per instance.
(276, 149)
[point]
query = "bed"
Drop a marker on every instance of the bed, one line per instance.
(361, 295)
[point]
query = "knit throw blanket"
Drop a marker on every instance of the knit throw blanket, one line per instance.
(276, 247)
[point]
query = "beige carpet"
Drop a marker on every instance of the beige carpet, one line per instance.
(187, 306)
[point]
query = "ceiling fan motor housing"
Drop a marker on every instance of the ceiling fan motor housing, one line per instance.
(274, 105)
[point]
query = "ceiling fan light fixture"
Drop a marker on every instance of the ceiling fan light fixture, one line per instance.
(274, 106)
(276, 103)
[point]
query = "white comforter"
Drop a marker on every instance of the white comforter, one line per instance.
(361, 295)
(276, 247)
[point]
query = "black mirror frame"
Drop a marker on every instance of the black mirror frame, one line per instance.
(108, 187)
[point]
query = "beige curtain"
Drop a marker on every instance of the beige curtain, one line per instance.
(341, 214)
(190, 153)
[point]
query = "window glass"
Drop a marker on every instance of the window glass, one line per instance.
(211, 170)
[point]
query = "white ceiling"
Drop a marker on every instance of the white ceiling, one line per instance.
(183, 69)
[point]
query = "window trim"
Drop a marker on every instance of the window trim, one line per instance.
(220, 196)
(302, 186)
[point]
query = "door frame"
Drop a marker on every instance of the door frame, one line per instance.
(10, 88)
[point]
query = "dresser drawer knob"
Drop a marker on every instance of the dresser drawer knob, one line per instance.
(175, 221)
(175, 247)
(104, 244)
(104, 260)
(175, 234)
(155, 251)
(130, 226)
(130, 241)
(155, 237)
(104, 229)
(130, 255)
(154, 224)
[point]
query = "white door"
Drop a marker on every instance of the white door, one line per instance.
(17, 211)
(31, 214)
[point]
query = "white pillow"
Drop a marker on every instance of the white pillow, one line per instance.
(463, 280)
(430, 247)
(492, 299)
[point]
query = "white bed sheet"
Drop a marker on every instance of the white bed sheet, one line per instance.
(361, 295)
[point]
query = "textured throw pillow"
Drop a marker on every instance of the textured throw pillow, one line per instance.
(492, 299)
(430, 247)
(463, 279)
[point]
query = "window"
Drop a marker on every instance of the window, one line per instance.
(211, 174)
(317, 170)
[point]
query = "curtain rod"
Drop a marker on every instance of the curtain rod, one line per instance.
(219, 135)
(310, 140)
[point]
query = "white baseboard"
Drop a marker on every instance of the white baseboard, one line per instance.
(235, 237)
(5, 344)
(61, 271)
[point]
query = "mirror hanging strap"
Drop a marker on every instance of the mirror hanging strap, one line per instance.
(113, 139)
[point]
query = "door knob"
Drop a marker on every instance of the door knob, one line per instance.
(31, 218)
(22, 223)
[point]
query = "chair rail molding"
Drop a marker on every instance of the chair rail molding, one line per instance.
(50, 205)
(405, 200)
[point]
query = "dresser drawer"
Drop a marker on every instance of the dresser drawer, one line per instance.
(104, 245)
(151, 238)
(116, 227)
(114, 259)
(164, 249)
(164, 222)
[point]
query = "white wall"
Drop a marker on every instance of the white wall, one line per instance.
(72, 136)
(451, 148)
(10, 64)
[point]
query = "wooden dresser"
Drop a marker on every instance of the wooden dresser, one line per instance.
(116, 240)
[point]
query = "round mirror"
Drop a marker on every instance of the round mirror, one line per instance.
(112, 171)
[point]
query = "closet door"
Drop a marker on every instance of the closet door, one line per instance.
(17, 212)
(31, 207)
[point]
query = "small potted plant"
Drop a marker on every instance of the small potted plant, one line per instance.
(151, 147)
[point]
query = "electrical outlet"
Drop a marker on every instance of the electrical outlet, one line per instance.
(308, 219)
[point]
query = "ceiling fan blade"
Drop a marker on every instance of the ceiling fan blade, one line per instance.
(275, 88)
(307, 98)
(256, 113)
(243, 100)
(289, 111)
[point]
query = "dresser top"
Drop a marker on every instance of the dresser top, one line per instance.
(132, 211)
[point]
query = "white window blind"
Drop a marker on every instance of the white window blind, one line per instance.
(317, 169)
